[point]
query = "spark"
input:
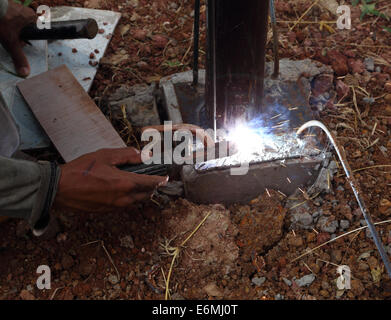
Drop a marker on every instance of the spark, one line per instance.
(268, 193)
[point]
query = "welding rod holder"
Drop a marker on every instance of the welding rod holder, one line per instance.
(62, 30)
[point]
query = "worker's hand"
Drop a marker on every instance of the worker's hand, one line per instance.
(92, 183)
(11, 24)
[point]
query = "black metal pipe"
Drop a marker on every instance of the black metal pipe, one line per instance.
(237, 32)
(62, 30)
(196, 41)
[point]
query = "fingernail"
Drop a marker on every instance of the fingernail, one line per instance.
(163, 183)
(24, 72)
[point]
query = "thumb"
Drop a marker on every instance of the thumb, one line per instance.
(19, 58)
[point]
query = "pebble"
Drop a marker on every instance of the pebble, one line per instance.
(159, 41)
(258, 281)
(67, 261)
(344, 224)
(140, 34)
(327, 226)
(305, 281)
(113, 279)
(287, 282)
(212, 290)
(369, 64)
(357, 287)
(25, 295)
(304, 219)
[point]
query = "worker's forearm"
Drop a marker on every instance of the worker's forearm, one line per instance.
(3, 8)
(27, 190)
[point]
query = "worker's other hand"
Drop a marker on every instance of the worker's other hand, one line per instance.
(16, 18)
(93, 183)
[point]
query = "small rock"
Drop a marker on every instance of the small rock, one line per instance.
(369, 64)
(356, 66)
(25, 295)
(344, 224)
(124, 29)
(369, 100)
(67, 261)
(142, 65)
(258, 281)
(296, 241)
(357, 287)
(327, 226)
(134, 17)
(324, 293)
(140, 34)
(113, 279)
(86, 268)
(303, 219)
(212, 290)
(127, 242)
(339, 62)
(305, 281)
(159, 41)
(387, 98)
(385, 207)
(336, 256)
(287, 282)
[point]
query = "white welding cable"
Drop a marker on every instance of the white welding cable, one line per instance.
(354, 186)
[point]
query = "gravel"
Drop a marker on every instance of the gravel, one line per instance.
(258, 281)
(305, 281)
(327, 226)
(344, 224)
(369, 64)
(288, 282)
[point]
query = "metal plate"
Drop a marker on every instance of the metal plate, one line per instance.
(78, 62)
(31, 134)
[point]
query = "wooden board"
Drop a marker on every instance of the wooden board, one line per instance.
(66, 112)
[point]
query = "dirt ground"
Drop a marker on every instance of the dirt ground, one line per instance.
(241, 251)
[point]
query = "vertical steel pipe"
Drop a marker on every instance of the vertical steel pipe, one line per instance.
(237, 33)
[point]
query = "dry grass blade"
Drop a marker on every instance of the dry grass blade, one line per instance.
(174, 252)
(336, 238)
(107, 253)
(303, 15)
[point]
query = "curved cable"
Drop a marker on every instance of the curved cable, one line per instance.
(355, 188)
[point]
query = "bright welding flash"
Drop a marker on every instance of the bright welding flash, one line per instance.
(248, 141)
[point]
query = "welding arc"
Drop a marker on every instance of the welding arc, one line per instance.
(354, 186)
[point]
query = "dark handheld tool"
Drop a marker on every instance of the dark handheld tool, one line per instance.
(228, 149)
(62, 30)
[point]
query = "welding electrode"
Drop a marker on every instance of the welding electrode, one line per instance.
(353, 183)
(165, 169)
(62, 30)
